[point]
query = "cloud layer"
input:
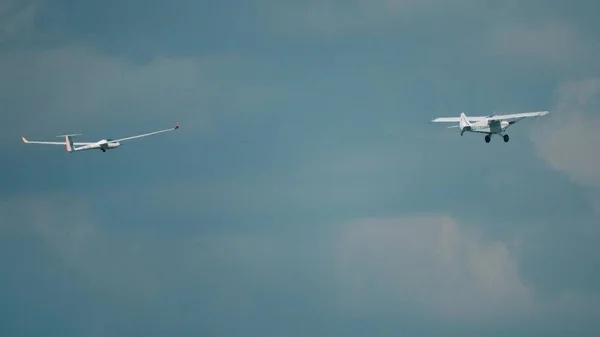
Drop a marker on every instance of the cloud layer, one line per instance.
(567, 141)
(431, 263)
(369, 268)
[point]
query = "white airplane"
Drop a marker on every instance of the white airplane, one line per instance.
(490, 125)
(105, 144)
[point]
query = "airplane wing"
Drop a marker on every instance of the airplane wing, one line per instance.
(492, 118)
(519, 115)
(148, 134)
(457, 119)
(27, 141)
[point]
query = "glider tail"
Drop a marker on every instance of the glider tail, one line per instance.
(464, 123)
(69, 142)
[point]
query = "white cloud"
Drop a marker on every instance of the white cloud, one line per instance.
(430, 262)
(569, 139)
(429, 265)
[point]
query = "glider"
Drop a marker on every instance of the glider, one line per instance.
(105, 144)
(489, 125)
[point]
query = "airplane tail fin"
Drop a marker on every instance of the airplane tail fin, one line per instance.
(69, 141)
(464, 122)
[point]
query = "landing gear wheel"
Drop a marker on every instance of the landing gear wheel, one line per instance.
(103, 150)
(488, 138)
(506, 138)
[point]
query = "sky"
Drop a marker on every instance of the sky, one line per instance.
(306, 192)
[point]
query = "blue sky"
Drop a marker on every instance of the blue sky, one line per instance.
(306, 192)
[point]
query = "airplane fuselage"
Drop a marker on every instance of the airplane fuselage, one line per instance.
(101, 145)
(488, 127)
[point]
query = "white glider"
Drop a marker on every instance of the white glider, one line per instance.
(105, 144)
(490, 125)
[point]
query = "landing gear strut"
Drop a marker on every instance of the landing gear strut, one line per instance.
(506, 138)
(488, 138)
